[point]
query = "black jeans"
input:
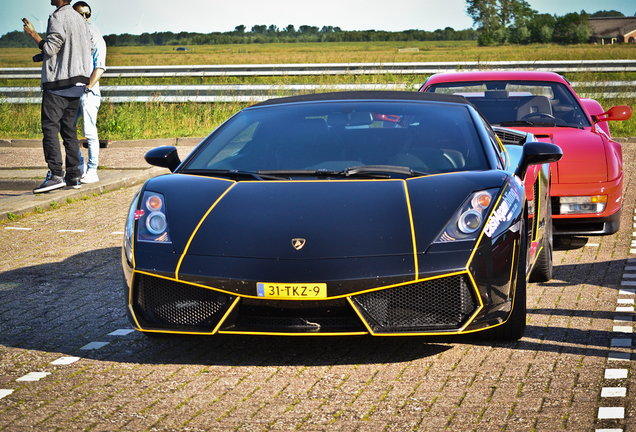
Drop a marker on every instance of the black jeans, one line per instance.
(58, 117)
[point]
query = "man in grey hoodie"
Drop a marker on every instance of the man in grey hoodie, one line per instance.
(66, 69)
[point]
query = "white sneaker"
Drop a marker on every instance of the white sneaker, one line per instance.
(90, 176)
(83, 168)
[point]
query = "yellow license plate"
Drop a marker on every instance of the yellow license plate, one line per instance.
(291, 291)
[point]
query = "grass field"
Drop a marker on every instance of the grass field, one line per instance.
(156, 120)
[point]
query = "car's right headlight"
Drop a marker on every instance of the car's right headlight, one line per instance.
(467, 222)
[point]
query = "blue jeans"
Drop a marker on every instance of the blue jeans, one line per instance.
(89, 105)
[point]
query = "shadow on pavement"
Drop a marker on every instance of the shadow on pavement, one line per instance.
(60, 307)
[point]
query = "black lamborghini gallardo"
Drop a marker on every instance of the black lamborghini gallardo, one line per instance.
(380, 213)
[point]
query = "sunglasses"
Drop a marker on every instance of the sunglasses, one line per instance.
(86, 15)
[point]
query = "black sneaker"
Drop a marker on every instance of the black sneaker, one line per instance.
(74, 183)
(51, 182)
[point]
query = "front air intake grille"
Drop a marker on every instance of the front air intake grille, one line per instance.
(166, 303)
(438, 304)
(295, 316)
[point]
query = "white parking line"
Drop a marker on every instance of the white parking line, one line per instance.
(5, 392)
(18, 228)
(611, 413)
(70, 230)
(613, 392)
(627, 291)
(94, 345)
(625, 309)
(622, 329)
(620, 342)
(619, 356)
(615, 373)
(34, 376)
(121, 332)
(65, 360)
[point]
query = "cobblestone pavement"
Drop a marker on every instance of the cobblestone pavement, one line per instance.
(67, 364)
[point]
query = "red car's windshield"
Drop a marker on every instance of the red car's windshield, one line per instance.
(509, 103)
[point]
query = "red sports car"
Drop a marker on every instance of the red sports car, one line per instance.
(587, 189)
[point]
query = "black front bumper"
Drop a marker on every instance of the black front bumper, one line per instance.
(444, 304)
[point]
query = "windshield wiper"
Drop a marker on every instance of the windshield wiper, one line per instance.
(236, 174)
(381, 170)
(371, 171)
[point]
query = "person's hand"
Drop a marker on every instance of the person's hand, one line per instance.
(28, 27)
(30, 30)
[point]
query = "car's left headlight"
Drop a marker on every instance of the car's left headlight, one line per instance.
(468, 221)
(151, 215)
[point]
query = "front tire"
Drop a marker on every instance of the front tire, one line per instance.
(542, 271)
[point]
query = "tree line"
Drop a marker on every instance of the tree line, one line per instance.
(496, 22)
(515, 22)
(260, 34)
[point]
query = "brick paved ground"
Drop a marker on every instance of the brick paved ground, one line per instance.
(60, 291)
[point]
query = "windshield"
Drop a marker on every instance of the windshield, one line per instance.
(508, 103)
(341, 137)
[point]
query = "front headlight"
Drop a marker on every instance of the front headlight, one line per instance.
(153, 224)
(582, 204)
(467, 222)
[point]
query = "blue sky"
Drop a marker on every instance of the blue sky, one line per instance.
(206, 16)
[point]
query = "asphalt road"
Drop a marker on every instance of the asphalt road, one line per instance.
(68, 362)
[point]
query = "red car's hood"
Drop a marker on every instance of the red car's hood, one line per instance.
(584, 159)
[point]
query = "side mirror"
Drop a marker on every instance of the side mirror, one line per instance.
(535, 153)
(164, 157)
(616, 113)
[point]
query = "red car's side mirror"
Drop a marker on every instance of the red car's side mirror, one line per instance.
(616, 113)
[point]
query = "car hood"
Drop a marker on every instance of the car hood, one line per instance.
(300, 220)
(584, 159)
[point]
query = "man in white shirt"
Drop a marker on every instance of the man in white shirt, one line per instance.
(91, 99)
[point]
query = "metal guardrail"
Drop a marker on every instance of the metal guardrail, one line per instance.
(257, 93)
(405, 68)
(197, 93)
